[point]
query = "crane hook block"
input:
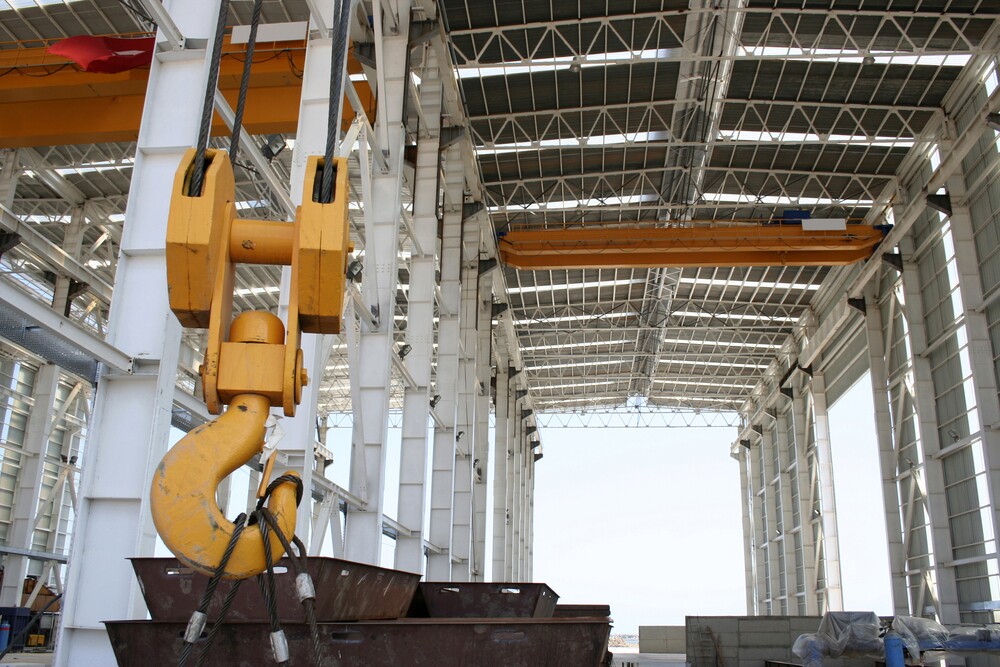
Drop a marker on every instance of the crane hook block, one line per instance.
(253, 362)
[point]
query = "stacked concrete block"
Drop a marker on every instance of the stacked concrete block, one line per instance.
(662, 639)
(750, 641)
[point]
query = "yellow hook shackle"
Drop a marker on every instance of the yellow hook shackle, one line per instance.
(183, 495)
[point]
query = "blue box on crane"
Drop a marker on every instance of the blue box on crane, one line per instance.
(18, 618)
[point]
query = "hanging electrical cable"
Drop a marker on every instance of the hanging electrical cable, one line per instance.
(337, 58)
(208, 108)
(241, 101)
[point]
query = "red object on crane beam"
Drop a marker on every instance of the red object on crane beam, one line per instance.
(106, 55)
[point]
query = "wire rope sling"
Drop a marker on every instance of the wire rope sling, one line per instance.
(253, 361)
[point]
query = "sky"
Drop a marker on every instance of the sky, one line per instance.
(649, 520)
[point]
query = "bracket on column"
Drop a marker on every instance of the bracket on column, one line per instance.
(940, 203)
(8, 240)
(893, 259)
(857, 304)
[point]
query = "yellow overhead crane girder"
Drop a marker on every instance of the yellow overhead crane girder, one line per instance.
(732, 245)
(46, 100)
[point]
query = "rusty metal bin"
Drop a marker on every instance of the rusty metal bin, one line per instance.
(582, 611)
(345, 591)
(483, 600)
(401, 643)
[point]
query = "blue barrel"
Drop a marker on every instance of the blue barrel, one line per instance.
(4, 634)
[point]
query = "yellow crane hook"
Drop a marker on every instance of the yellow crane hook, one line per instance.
(183, 495)
(258, 365)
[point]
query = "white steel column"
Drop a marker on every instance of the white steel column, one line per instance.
(824, 459)
(944, 585)
(513, 433)
(420, 324)
(887, 452)
(754, 458)
(771, 505)
(787, 537)
(29, 482)
(465, 437)
(529, 568)
(517, 506)
(296, 445)
(522, 516)
(363, 542)
(749, 553)
(500, 464)
(131, 419)
(446, 383)
(481, 458)
(809, 546)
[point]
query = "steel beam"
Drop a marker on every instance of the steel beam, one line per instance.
(65, 329)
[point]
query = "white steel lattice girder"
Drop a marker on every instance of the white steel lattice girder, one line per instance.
(860, 32)
(114, 522)
(857, 124)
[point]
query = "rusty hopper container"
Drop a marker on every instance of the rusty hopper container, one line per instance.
(345, 591)
(527, 642)
(483, 600)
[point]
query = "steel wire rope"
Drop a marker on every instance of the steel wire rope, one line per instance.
(198, 618)
(241, 100)
(208, 107)
(338, 54)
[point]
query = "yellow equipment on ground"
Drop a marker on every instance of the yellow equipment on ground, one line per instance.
(251, 362)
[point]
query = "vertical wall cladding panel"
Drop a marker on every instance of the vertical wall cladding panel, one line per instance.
(935, 290)
(949, 386)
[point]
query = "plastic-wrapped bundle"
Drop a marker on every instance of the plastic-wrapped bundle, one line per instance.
(919, 632)
(811, 648)
(854, 632)
(929, 641)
